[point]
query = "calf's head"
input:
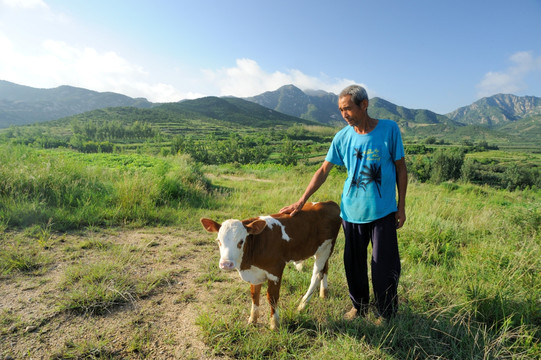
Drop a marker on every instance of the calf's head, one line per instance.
(232, 236)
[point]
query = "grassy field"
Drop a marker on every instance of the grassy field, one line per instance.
(102, 257)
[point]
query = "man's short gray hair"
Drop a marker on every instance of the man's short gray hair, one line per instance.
(357, 92)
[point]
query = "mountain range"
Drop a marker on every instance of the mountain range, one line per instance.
(21, 105)
(505, 114)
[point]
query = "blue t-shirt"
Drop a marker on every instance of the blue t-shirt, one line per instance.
(370, 189)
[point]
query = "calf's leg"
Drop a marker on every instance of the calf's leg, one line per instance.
(323, 282)
(255, 290)
(319, 273)
(273, 294)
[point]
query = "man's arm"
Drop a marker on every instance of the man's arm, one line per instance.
(402, 185)
(317, 180)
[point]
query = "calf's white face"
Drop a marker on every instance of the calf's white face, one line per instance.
(232, 235)
(231, 238)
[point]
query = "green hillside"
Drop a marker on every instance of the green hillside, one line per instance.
(210, 115)
(235, 111)
(498, 110)
(20, 105)
(312, 105)
(383, 109)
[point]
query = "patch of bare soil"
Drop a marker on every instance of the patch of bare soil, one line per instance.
(160, 325)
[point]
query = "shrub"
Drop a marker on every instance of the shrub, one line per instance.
(516, 177)
(419, 167)
(447, 164)
(470, 170)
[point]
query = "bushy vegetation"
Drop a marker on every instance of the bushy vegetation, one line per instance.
(71, 190)
(235, 149)
(474, 165)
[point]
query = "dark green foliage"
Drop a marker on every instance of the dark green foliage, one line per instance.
(287, 153)
(412, 149)
(419, 167)
(446, 164)
(235, 149)
(113, 130)
(234, 111)
(519, 177)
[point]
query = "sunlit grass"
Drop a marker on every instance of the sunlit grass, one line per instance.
(71, 191)
(469, 288)
(471, 257)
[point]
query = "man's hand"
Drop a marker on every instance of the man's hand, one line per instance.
(317, 180)
(400, 216)
(292, 209)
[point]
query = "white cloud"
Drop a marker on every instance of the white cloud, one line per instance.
(57, 63)
(24, 4)
(44, 54)
(512, 80)
(248, 79)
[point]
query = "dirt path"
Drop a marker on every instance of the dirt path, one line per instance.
(159, 325)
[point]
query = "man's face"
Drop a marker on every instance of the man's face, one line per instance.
(352, 113)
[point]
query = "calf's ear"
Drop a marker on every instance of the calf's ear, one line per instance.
(256, 227)
(210, 225)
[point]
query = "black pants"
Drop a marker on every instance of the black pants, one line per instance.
(385, 263)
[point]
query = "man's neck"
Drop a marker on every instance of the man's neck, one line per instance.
(367, 125)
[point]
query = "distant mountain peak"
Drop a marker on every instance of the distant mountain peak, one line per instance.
(497, 110)
(311, 105)
(20, 105)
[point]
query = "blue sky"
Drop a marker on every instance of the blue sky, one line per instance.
(436, 55)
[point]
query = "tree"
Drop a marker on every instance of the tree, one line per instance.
(287, 153)
(447, 164)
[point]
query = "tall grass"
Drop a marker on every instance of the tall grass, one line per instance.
(471, 255)
(71, 190)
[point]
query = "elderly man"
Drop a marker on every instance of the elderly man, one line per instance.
(373, 153)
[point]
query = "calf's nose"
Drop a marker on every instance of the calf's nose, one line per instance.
(226, 265)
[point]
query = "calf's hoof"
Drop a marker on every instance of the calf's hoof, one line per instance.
(274, 323)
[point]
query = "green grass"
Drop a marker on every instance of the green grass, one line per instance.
(97, 287)
(18, 256)
(87, 349)
(471, 257)
(469, 288)
(66, 190)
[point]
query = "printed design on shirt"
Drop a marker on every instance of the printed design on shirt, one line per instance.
(368, 174)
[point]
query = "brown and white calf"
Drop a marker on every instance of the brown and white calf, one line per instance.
(259, 249)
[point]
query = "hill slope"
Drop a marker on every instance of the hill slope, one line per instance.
(498, 110)
(20, 105)
(198, 117)
(236, 111)
(318, 106)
